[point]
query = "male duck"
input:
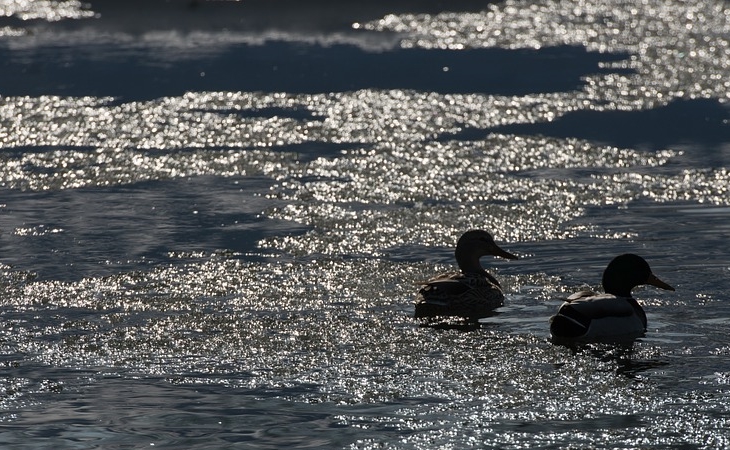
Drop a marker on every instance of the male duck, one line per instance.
(471, 293)
(615, 315)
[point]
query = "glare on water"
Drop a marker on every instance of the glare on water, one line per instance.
(229, 266)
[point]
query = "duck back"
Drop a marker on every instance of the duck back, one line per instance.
(458, 294)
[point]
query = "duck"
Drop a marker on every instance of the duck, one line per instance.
(470, 293)
(587, 316)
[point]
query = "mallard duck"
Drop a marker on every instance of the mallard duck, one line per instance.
(615, 315)
(470, 293)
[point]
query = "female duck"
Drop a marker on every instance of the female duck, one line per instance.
(471, 293)
(615, 315)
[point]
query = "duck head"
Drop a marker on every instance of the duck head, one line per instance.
(474, 244)
(627, 271)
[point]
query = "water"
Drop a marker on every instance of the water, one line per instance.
(213, 216)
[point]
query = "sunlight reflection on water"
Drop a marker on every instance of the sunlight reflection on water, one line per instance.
(233, 267)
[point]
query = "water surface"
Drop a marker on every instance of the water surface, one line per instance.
(211, 226)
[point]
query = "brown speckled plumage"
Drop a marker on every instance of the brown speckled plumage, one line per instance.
(471, 293)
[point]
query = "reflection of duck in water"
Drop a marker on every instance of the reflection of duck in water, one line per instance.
(471, 293)
(615, 315)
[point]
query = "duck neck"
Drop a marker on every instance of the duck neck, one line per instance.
(638, 309)
(618, 291)
(468, 261)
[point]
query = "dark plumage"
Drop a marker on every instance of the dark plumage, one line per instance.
(615, 315)
(470, 293)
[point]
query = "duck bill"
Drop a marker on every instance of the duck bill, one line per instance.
(654, 281)
(497, 251)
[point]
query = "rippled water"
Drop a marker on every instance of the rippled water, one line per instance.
(213, 217)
